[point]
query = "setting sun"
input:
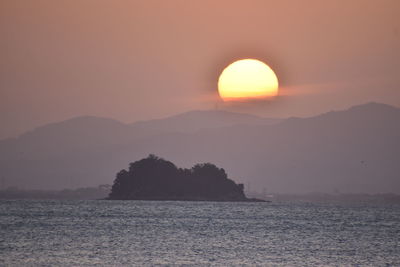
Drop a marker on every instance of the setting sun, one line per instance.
(247, 79)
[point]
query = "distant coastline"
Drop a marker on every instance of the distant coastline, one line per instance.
(101, 192)
(84, 193)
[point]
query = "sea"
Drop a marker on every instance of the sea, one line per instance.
(183, 233)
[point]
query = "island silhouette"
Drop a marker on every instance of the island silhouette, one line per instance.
(154, 178)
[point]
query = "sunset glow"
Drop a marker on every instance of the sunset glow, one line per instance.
(247, 79)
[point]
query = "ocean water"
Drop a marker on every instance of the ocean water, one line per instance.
(148, 233)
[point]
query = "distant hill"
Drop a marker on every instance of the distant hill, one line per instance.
(88, 132)
(64, 137)
(193, 121)
(354, 150)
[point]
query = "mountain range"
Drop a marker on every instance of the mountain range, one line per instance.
(351, 151)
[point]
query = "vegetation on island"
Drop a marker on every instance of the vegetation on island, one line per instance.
(154, 178)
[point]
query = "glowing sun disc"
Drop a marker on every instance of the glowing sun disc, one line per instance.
(247, 79)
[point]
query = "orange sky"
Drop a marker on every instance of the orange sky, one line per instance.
(132, 60)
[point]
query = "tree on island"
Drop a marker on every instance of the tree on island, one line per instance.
(154, 178)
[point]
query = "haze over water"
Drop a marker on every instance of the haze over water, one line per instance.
(142, 233)
(89, 89)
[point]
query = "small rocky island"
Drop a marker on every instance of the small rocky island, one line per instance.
(154, 178)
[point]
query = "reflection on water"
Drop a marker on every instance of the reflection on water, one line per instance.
(198, 233)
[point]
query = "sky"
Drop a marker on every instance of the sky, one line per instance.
(138, 60)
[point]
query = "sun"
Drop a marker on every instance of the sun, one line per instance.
(247, 79)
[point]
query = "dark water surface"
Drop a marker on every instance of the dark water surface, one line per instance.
(142, 233)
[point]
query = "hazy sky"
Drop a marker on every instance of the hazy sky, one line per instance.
(133, 60)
